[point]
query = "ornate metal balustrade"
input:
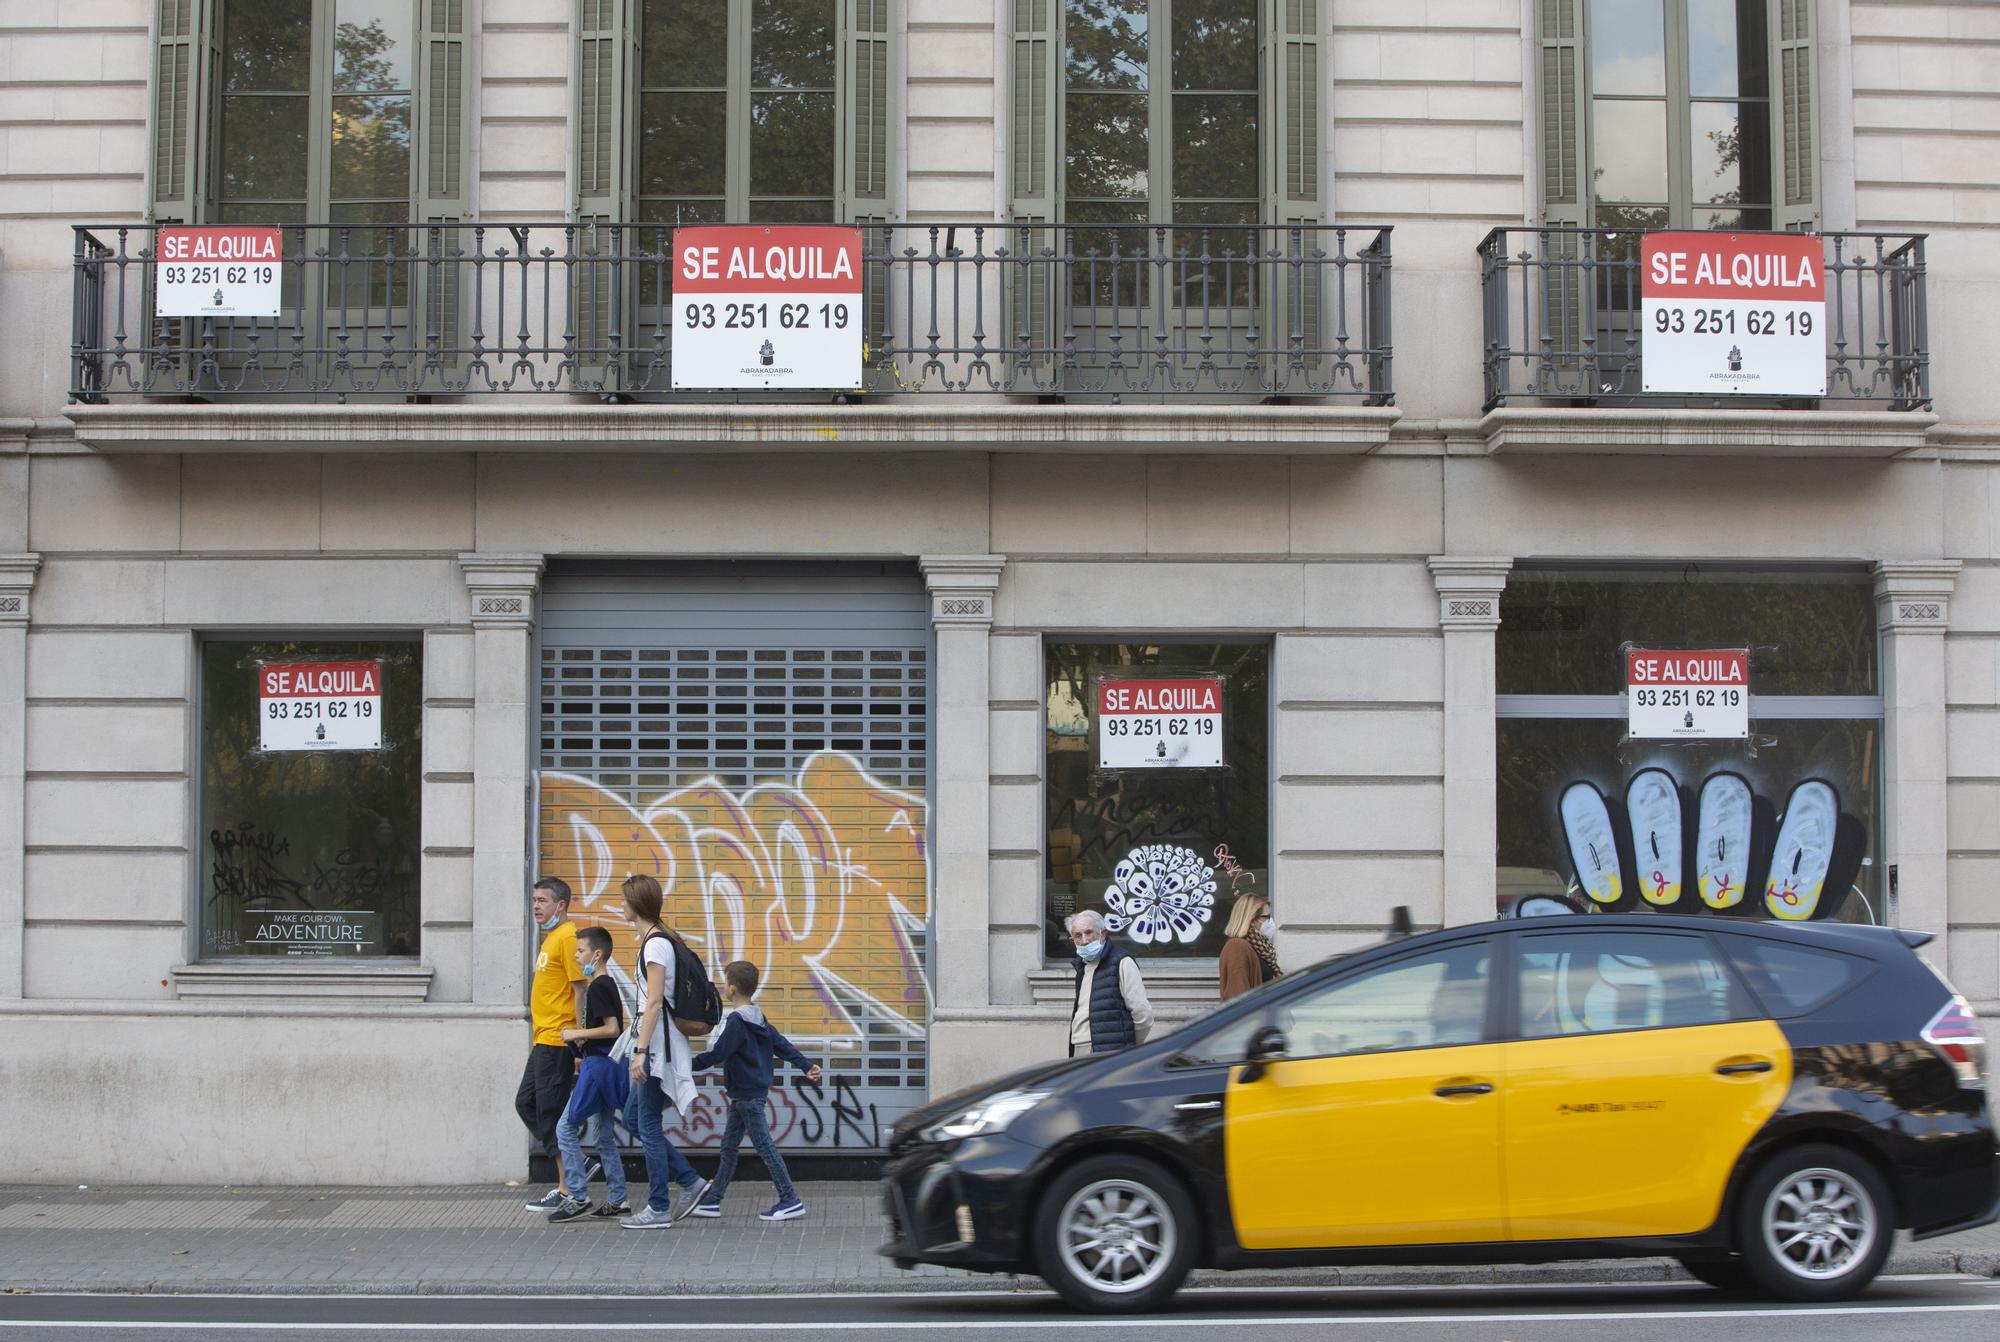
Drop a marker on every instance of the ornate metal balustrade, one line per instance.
(1092, 312)
(1563, 319)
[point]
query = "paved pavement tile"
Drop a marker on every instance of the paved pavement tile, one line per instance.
(481, 1241)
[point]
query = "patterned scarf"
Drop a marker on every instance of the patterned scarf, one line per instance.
(1265, 951)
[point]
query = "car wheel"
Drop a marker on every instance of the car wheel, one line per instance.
(1114, 1234)
(1815, 1223)
(1724, 1274)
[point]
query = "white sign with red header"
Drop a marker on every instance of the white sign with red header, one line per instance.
(1701, 695)
(767, 308)
(1159, 724)
(218, 272)
(320, 705)
(1734, 314)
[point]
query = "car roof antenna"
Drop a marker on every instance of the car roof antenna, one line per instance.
(1400, 925)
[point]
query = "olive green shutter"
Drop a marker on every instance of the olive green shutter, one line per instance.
(1795, 129)
(864, 175)
(186, 61)
(607, 93)
(1566, 198)
(440, 169)
(1295, 191)
(1035, 190)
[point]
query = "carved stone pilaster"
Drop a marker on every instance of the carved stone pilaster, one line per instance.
(503, 588)
(1914, 597)
(962, 587)
(17, 585)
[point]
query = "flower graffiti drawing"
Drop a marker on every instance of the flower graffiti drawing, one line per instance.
(1161, 892)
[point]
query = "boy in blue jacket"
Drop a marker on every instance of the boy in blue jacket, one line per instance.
(744, 1052)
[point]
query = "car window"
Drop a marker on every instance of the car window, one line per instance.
(1228, 1043)
(1792, 980)
(1589, 982)
(1426, 1001)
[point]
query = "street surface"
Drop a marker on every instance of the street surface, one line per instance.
(1945, 1309)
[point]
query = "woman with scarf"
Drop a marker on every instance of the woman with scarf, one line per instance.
(1248, 958)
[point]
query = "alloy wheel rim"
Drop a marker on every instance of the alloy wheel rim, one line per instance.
(1116, 1236)
(1819, 1224)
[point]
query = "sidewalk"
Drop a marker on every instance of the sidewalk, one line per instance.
(475, 1241)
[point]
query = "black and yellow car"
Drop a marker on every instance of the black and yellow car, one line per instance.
(1766, 1102)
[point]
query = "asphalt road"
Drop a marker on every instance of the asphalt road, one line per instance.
(1946, 1309)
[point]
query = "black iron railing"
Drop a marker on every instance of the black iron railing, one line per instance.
(1094, 312)
(1563, 318)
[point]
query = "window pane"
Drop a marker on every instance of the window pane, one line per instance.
(371, 46)
(791, 211)
(1215, 145)
(1792, 980)
(1591, 982)
(368, 278)
(1729, 831)
(1758, 217)
(308, 853)
(267, 46)
(1727, 55)
(1111, 266)
(1628, 48)
(681, 212)
(1731, 149)
(1105, 140)
(1099, 818)
(1215, 44)
(1431, 1001)
(682, 143)
(1632, 165)
(1560, 632)
(682, 43)
(792, 144)
(792, 44)
(1107, 45)
(371, 148)
(264, 148)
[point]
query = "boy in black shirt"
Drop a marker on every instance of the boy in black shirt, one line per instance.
(601, 1085)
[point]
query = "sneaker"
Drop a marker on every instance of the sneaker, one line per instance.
(612, 1209)
(548, 1202)
(647, 1219)
(707, 1210)
(571, 1209)
(784, 1211)
(690, 1196)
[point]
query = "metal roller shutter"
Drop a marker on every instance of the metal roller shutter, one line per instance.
(756, 735)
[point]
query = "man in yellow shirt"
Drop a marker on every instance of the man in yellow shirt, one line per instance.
(556, 1004)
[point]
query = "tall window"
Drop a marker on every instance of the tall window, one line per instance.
(1678, 113)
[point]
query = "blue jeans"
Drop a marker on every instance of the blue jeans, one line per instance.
(748, 1116)
(665, 1166)
(569, 1139)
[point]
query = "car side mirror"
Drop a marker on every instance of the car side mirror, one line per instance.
(1266, 1047)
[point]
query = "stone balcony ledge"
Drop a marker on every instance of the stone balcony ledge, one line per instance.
(1699, 432)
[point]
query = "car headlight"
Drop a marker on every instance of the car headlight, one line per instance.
(991, 1114)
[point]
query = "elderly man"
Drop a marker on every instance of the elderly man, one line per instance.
(1111, 1011)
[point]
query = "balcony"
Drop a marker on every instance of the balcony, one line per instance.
(467, 319)
(1564, 367)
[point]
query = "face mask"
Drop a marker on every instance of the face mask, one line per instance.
(1266, 929)
(550, 925)
(588, 970)
(1090, 951)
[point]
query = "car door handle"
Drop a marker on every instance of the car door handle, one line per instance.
(1465, 1088)
(1741, 1068)
(1195, 1106)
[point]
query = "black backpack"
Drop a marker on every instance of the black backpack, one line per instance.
(696, 1007)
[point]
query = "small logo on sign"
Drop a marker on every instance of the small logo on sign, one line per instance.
(766, 354)
(218, 298)
(319, 732)
(1735, 359)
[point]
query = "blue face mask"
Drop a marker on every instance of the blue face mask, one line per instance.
(550, 925)
(588, 970)
(1089, 951)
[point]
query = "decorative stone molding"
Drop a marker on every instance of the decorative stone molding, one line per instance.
(962, 587)
(1469, 590)
(1177, 992)
(303, 980)
(17, 583)
(503, 588)
(1914, 596)
(1590, 431)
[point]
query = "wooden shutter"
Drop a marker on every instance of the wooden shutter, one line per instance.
(1565, 199)
(865, 92)
(442, 117)
(605, 290)
(1034, 287)
(1795, 120)
(186, 61)
(1297, 169)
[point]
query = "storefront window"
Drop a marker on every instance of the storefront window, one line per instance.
(1159, 818)
(311, 763)
(1785, 824)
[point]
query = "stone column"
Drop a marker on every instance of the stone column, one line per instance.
(503, 589)
(1913, 610)
(962, 588)
(17, 581)
(1469, 612)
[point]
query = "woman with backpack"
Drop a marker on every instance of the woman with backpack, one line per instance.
(661, 1071)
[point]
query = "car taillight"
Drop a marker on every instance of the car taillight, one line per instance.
(1954, 1033)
